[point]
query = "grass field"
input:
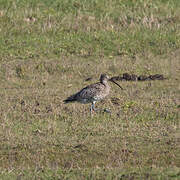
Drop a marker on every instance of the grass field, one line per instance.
(48, 49)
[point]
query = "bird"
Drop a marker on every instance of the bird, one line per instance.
(93, 92)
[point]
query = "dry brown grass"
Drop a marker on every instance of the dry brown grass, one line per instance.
(46, 55)
(38, 130)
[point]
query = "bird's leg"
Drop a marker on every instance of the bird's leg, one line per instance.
(107, 110)
(95, 110)
(91, 110)
(93, 107)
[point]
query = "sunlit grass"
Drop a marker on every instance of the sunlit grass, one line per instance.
(47, 51)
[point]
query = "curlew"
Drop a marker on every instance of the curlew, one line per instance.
(93, 93)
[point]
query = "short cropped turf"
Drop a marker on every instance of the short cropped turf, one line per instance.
(48, 50)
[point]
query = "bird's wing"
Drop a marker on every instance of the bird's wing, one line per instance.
(90, 91)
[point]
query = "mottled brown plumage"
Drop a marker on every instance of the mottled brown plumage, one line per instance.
(92, 93)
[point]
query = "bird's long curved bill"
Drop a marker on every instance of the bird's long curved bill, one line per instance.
(115, 83)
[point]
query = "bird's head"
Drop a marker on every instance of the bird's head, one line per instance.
(104, 78)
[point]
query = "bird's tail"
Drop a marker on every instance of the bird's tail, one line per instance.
(70, 99)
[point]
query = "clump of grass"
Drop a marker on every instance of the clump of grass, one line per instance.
(20, 71)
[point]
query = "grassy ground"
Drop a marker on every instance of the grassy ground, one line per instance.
(47, 50)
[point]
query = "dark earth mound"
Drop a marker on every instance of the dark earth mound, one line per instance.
(134, 77)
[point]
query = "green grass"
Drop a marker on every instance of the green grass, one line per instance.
(47, 50)
(83, 28)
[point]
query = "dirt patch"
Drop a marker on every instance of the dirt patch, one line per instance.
(134, 77)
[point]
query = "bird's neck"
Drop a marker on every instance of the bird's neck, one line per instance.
(105, 83)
